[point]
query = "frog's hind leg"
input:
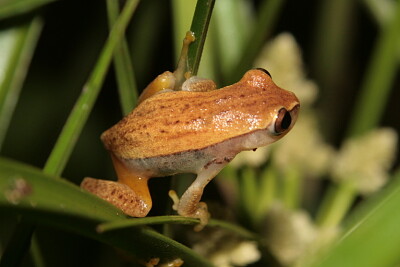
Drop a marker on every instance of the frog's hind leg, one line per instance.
(120, 195)
(130, 193)
(189, 205)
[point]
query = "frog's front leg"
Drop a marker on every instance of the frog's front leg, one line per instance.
(198, 84)
(189, 205)
(163, 83)
(130, 194)
(180, 79)
(166, 82)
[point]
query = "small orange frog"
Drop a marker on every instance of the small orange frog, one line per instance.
(197, 129)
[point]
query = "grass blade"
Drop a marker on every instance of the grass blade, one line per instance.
(117, 225)
(123, 65)
(74, 125)
(56, 202)
(10, 8)
(200, 22)
(378, 79)
(121, 224)
(15, 61)
(373, 238)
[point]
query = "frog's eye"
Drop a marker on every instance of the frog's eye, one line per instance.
(283, 121)
(265, 71)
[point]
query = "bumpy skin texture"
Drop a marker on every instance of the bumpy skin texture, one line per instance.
(177, 121)
(118, 194)
(186, 131)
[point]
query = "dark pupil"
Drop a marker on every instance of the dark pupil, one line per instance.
(286, 121)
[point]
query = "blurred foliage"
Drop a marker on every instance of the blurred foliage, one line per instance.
(350, 51)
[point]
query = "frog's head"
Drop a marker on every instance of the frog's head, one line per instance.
(278, 107)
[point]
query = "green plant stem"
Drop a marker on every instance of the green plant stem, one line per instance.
(36, 252)
(115, 225)
(77, 119)
(26, 37)
(181, 22)
(291, 188)
(378, 79)
(229, 184)
(123, 65)
(249, 191)
(17, 7)
(330, 56)
(200, 22)
(267, 193)
(336, 205)
(383, 12)
(330, 42)
(269, 11)
(122, 224)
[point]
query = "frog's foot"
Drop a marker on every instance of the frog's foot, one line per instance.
(191, 207)
(155, 262)
(118, 194)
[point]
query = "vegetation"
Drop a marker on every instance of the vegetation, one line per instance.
(325, 195)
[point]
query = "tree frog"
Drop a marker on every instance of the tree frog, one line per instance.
(197, 129)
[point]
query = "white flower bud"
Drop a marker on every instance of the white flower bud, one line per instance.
(365, 160)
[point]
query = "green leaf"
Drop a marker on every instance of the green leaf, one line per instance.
(372, 237)
(9, 8)
(123, 65)
(200, 22)
(379, 78)
(17, 47)
(56, 202)
(120, 224)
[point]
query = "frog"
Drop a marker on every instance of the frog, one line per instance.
(190, 127)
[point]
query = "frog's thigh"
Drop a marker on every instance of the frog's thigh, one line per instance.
(189, 204)
(118, 194)
(136, 182)
(130, 194)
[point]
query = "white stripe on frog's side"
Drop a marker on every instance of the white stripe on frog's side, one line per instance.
(196, 161)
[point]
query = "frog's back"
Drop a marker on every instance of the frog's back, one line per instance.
(179, 121)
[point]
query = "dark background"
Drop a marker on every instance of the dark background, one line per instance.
(73, 34)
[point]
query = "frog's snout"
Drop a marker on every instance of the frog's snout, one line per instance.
(294, 113)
